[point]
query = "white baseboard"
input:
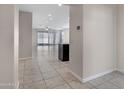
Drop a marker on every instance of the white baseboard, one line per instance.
(78, 77)
(92, 77)
(24, 59)
(97, 75)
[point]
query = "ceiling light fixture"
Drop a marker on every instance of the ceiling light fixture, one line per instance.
(59, 4)
(49, 15)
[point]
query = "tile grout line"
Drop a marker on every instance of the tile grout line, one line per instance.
(66, 81)
(59, 74)
(63, 78)
(114, 84)
(105, 81)
(32, 81)
(46, 55)
(41, 73)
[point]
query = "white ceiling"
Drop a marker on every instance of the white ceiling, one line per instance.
(48, 15)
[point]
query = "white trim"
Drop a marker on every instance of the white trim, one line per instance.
(97, 75)
(24, 59)
(77, 76)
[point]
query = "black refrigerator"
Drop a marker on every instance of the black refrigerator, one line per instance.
(63, 52)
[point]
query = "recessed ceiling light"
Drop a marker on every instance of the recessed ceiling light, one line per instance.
(59, 4)
(50, 15)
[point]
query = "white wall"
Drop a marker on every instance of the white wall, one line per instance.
(76, 40)
(25, 34)
(34, 38)
(93, 48)
(8, 46)
(16, 45)
(98, 39)
(65, 36)
(120, 37)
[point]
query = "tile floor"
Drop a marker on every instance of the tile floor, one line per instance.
(45, 71)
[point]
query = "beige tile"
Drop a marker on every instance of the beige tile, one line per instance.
(79, 85)
(54, 82)
(49, 75)
(118, 82)
(20, 65)
(29, 70)
(67, 64)
(107, 85)
(68, 77)
(58, 65)
(35, 85)
(27, 73)
(63, 70)
(36, 71)
(36, 78)
(30, 78)
(21, 74)
(97, 81)
(117, 74)
(107, 77)
(27, 79)
(65, 86)
(21, 61)
(47, 70)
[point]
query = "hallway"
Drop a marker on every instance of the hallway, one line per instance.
(45, 71)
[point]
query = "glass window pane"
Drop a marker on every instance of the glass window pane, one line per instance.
(45, 38)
